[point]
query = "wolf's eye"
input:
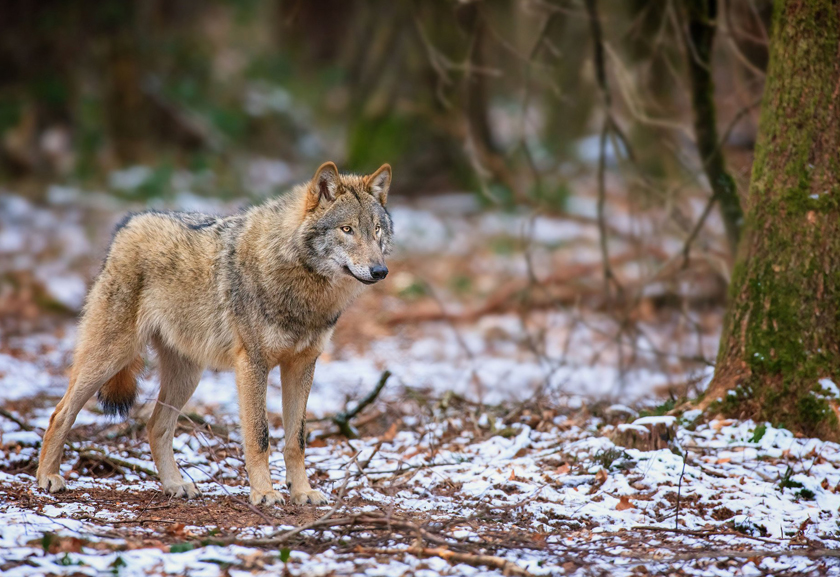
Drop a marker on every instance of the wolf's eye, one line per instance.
(378, 229)
(347, 229)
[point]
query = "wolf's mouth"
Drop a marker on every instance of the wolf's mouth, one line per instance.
(361, 280)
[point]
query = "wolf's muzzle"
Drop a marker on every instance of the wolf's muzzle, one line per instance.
(378, 272)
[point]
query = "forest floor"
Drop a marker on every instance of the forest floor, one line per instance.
(525, 429)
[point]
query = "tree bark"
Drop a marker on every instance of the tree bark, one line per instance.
(781, 334)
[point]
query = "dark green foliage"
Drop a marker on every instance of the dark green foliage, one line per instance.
(118, 564)
(507, 432)
(659, 410)
(67, 561)
(787, 483)
(806, 494)
(758, 434)
(747, 527)
(47, 539)
(609, 457)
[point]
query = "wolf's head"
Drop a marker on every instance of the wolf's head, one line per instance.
(346, 229)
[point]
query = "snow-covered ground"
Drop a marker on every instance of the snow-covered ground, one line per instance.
(491, 451)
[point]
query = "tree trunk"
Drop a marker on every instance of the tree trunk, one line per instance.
(781, 334)
(698, 46)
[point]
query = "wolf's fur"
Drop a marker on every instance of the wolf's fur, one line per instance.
(246, 292)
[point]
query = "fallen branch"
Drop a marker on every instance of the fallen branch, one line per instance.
(507, 567)
(342, 420)
(354, 523)
(115, 462)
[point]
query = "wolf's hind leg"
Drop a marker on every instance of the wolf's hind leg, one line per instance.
(96, 361)
(296, 378)
(179, 377)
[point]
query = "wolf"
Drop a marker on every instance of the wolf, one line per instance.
(246, 292)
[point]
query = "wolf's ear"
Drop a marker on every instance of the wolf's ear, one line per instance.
(324, 186)
(379, 182)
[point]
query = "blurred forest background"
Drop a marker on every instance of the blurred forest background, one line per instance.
(505, 98)
(627, 124)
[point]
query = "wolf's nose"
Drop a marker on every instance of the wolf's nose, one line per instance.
(378, 272)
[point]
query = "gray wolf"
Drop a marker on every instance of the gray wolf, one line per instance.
(245, 292)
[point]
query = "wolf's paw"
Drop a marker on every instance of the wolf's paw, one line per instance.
(52, 483)
(309, 497)
(269, 498)
(180, 489)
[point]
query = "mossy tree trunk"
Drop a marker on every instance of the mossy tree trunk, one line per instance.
(782, 330)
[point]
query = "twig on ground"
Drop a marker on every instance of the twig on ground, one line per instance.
(706, 533)
(746, 554)
(359, 522)
(472, 559)
(342, 420)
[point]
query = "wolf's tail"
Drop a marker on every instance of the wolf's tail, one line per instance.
(117, 396)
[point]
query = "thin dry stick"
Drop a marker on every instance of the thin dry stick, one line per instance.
(696, 230)
(679, 491)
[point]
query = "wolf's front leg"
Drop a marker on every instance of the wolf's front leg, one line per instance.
(296, 378)
(251, 384)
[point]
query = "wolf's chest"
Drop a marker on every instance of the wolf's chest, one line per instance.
(283, 341)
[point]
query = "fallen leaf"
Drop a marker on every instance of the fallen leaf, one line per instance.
(624, 503)
(391, 433)
(176, 530)
(722, 461)
(563, 469)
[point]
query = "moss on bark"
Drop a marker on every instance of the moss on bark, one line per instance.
(782, 330)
